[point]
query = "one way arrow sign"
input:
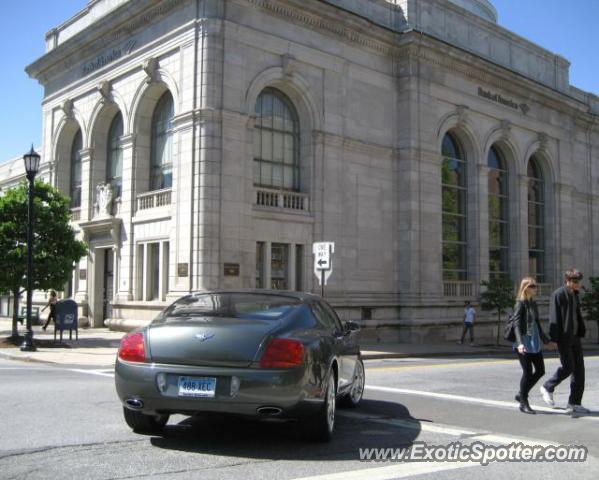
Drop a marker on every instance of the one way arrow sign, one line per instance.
(323, 261)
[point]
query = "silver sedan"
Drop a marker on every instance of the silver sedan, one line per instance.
(262, 354)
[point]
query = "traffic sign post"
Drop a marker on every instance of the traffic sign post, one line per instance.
(323, 262)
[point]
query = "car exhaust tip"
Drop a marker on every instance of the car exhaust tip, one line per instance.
(269, 411)
(134, 403)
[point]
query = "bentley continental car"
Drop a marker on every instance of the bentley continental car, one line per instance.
(261, 354)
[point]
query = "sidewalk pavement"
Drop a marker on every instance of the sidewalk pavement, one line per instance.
(97, 347)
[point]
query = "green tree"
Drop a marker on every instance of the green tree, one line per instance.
(498, 295)
(590, 302)
(55, 247)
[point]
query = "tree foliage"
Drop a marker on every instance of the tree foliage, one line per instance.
(55, 247)
(498, 295)
(590, 302)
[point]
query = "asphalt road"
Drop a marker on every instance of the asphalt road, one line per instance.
(61, 422)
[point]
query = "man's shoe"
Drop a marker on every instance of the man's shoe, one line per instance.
(547, 396)
(577, 409)
(525, 408)
(518, 398)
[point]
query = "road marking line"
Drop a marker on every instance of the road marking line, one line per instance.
(463, 399)
(403, 470)
(102, 373)
(448, 365)
(450, 430)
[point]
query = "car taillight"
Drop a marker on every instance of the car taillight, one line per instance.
(283, 353)
(132, 348)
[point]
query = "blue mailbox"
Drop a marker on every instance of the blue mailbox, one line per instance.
(67, 318)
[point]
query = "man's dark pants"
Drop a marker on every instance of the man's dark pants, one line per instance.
(572, 363)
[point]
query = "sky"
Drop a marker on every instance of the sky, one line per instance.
(569, 28)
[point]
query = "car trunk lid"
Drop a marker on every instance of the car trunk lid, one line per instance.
(208, 341)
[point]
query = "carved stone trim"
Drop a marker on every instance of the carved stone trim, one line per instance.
(323, 24)
(150, 67)
(67, 108)
(105, 89)
(462, 113)
(506, 128)
(543, 139)
(289, 65)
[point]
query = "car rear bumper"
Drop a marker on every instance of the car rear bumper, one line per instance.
(284, 393)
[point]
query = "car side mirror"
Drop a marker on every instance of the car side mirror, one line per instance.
(351, 327)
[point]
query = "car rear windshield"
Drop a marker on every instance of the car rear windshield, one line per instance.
(232, 305)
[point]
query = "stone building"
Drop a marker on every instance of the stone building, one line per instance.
(209, 143)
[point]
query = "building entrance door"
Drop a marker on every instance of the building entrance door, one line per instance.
(108, 287)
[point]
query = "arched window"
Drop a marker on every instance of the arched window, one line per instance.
(276, 142)
(499, 239)
(161, 175)
(75, 184)
(536, 220)
(454, 210)
(114, 162)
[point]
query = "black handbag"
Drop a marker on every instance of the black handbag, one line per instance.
(509, 331)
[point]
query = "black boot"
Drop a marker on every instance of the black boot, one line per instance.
(525, 407)
(518, 397)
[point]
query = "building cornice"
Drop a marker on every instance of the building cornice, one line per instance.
(420, 47)
(116, 26)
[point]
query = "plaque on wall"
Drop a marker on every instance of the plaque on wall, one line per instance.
(182, 269)
(231, 269)
(82, 274)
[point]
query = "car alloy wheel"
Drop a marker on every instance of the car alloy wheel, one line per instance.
(330, 403)
(357, 389)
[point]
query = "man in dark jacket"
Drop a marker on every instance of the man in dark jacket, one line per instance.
(566, 328)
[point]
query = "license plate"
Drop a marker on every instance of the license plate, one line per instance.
(197, 387)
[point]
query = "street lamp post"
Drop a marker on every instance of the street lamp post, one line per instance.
(32, 164)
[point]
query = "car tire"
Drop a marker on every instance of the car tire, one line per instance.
(354, 396)
(321, 426)
(142, 423)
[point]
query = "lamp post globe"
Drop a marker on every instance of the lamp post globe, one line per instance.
(32, 164)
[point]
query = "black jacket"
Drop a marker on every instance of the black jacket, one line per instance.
(525, 313)
(560, 327)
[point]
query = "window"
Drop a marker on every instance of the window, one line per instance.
(454, 204)
(161, 175)
(260, 282)
(299, 268)
(276, 142)
(152, 271)
(498, 214)
(536, 220)
(279, 266)
(114, 163)
(75, 186)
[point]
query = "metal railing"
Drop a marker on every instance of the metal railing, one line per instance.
(266, 197)
(75, 214)
(154, 199)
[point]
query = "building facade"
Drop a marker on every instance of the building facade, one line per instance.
(208, 143)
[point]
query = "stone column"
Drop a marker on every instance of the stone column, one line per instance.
(483, 226)
(521, 250)
(124, 289)
(206, 249)
(87, 196)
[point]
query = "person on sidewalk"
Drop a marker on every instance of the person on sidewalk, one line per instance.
(52, 301)
(469, 315)
(567, 328)
(529, 336)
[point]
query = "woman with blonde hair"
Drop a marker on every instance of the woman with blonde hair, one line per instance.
(529, 336)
